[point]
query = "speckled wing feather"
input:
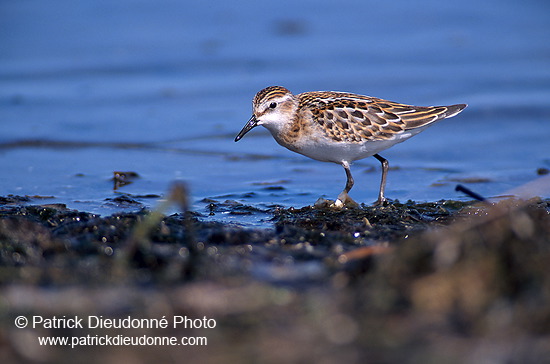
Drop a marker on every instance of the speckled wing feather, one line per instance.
(356, 118)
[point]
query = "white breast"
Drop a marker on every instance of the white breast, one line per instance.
(327, 150)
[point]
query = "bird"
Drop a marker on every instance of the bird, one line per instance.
(341, 127)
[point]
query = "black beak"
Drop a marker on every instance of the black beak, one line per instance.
(252, 123)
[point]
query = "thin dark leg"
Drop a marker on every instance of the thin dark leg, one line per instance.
(385, 167)
(349, 182)
(343, 197)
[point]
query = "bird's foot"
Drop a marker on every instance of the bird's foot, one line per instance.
(342, 201)
(382, 201)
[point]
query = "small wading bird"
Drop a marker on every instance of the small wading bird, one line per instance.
(341, 127)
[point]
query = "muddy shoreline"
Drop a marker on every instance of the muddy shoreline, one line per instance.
(444, 281)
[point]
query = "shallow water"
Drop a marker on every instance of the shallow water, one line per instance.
(162, 88)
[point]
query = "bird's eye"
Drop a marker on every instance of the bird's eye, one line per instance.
(273, 105)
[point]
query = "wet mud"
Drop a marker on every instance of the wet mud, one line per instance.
(447, 281)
